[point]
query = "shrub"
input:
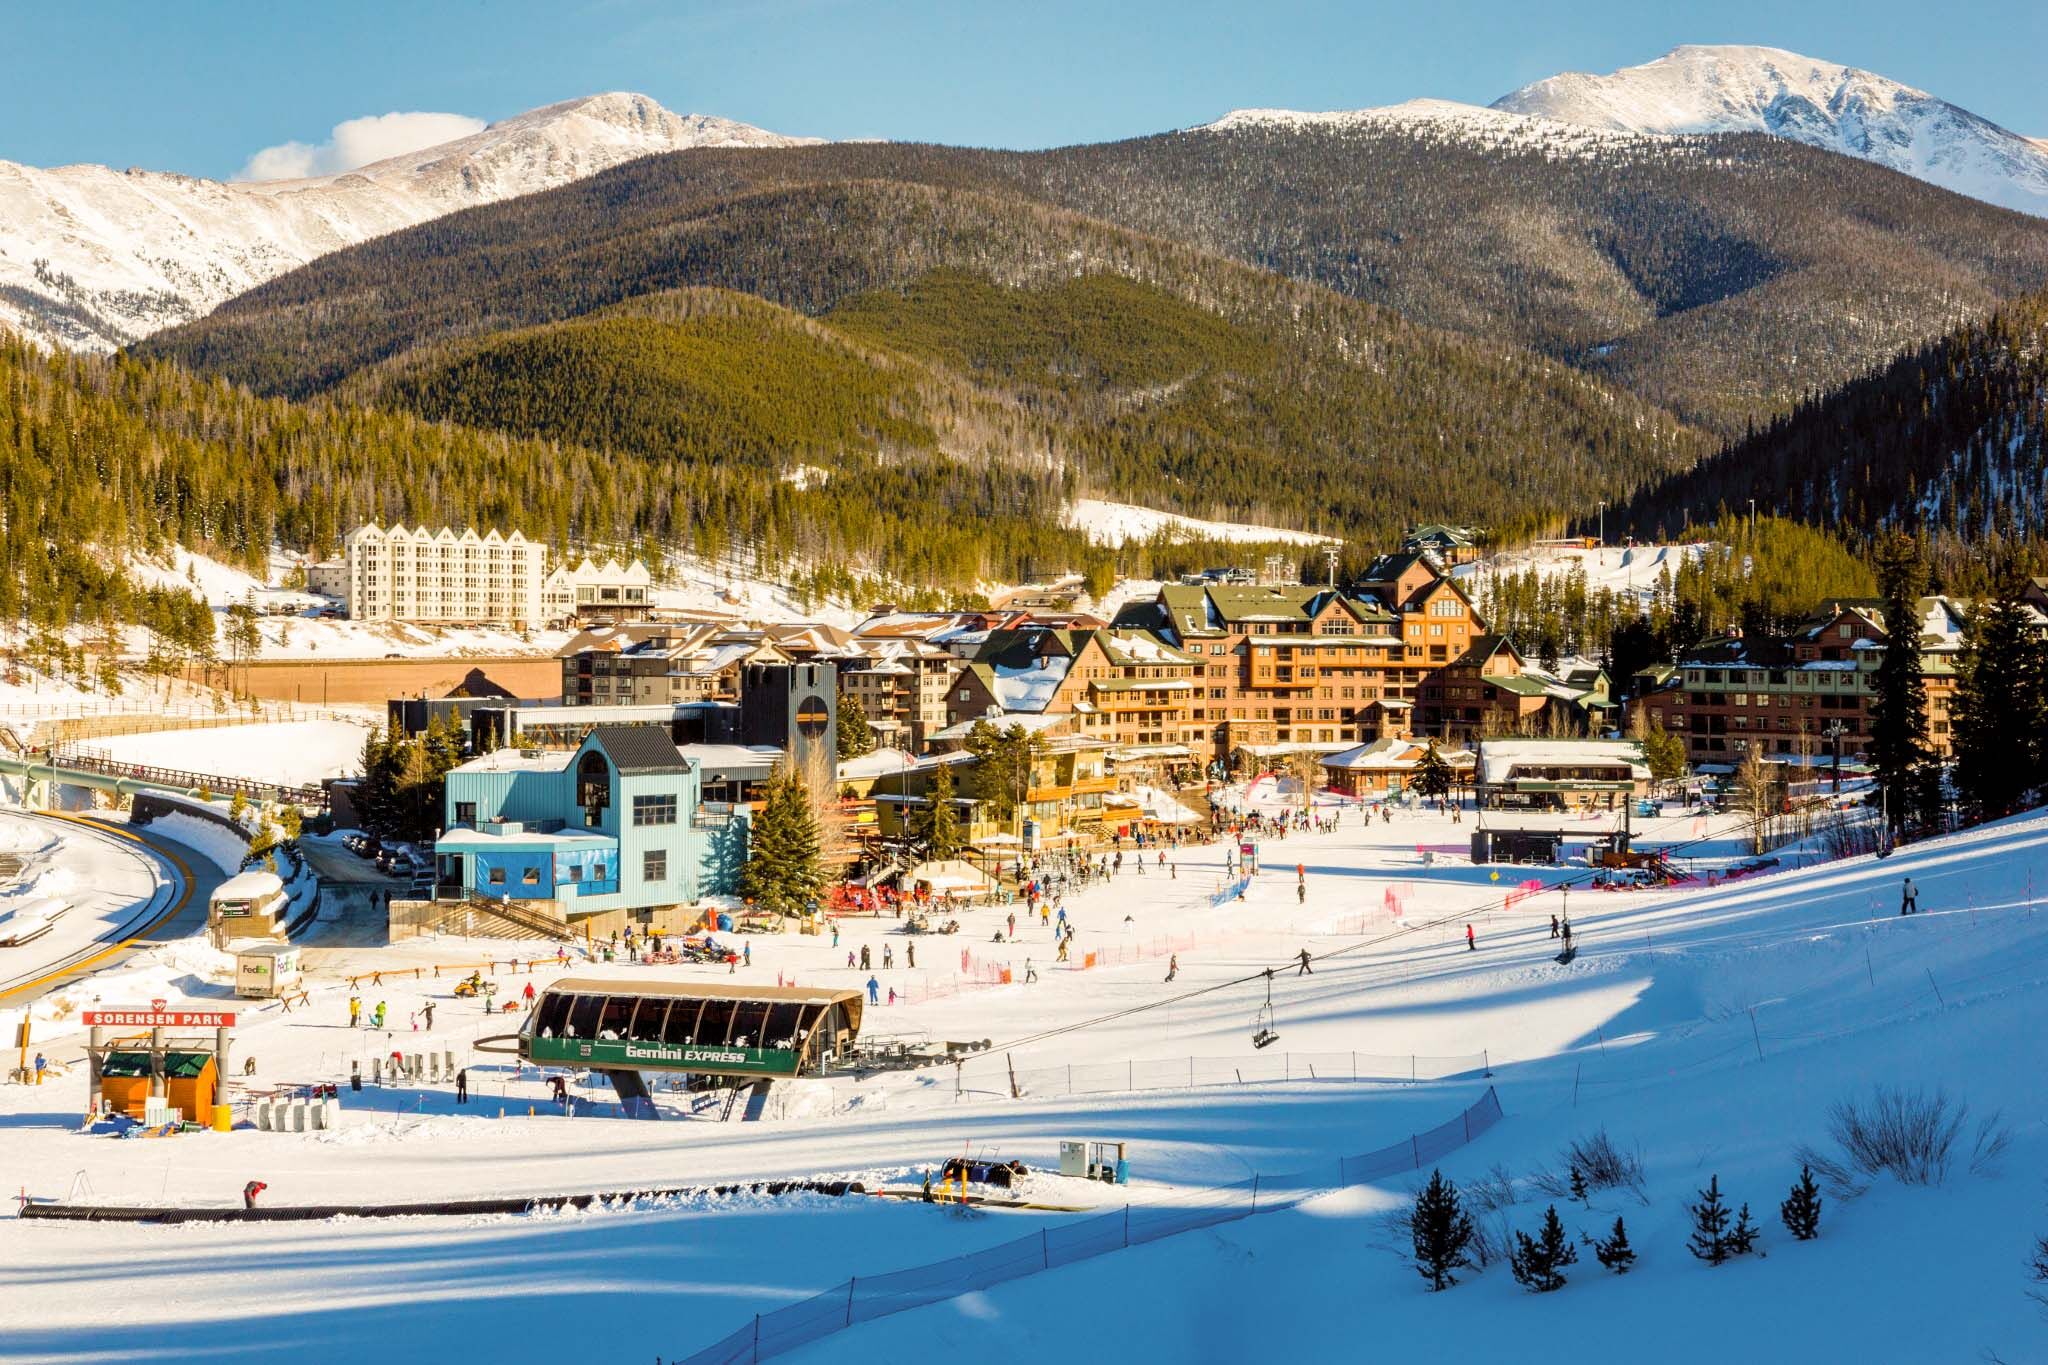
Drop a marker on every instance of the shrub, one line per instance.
(1910, 1134)
(1597, 1163)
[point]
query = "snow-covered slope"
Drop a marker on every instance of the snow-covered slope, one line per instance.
(1768, 90)
(93, 258)
(1448, 119)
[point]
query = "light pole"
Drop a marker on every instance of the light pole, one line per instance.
(1603, 522)
(1834, 734)
(1752, 518)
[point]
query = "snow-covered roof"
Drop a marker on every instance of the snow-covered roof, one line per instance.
(874, 764)
(1500, 758)
(1032, 688)
(249, 886)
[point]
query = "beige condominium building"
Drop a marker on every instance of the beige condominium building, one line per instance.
(444, 578)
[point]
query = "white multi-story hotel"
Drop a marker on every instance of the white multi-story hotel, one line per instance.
(441, 578)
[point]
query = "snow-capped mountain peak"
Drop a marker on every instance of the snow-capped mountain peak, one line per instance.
(1726, 89)
(93, 258)
(1448, 120)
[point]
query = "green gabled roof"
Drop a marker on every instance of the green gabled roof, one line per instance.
(1120, 652)
(1516, 683)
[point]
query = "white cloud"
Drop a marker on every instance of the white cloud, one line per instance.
(358, 142)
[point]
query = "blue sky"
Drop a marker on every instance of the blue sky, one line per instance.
(200, 88)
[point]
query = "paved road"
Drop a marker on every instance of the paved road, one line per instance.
(178, 912)
(354, 893)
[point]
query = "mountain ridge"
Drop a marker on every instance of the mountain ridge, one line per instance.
(92, 258)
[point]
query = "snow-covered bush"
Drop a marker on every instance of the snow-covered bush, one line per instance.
(1911, 1134)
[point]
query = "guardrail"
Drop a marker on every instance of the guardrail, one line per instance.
(84, 761)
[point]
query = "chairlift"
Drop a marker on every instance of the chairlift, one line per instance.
(1263, 1032)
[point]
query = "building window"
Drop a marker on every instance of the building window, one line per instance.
(654, 810)
(654, 865)
(530, 877)
(496, 876)
(465, 812)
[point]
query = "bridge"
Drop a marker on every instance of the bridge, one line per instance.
(72, 767)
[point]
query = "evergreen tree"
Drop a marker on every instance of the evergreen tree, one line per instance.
(1710, 1235)
(1579, 1190)
(855, 735)
(1442, 1232)
(1614, 1251)
(1432, 773)
(938, 823)
(1898, 717)
(1801, 1209)
(1537, 1262)
(2000, 713)
(1742, 1236)
(784, 873)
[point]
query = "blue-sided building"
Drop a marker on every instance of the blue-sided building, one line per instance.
(616, 824)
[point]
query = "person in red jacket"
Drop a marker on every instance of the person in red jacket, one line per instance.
(1470, 942)
(250, 1191)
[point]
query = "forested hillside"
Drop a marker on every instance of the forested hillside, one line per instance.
(1949, 441)
(1097, 384)
(1718, 277)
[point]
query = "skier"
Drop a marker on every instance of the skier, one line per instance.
(1012, 921)
(377, 1016)
(559, 1089)
(1031, 972)
(910, 955)
(1553, 926)
(747, 952)
(1304, 969)
(874, 991)
(1471, 943)
(1172, 966)
(835, 933)
(462, 1086)
(1301, 893)
(1061, 956)
(528, 994)
(888, 957)
(1909, 898)
(355, 1011)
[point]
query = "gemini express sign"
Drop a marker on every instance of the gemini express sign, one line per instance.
(623, 1053)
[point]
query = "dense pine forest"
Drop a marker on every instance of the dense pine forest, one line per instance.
(1949, 441)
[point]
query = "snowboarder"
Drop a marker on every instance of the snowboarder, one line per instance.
(462, 1086)
(874, 991)
(865, 964)
(1909, 898)
(250, 1191)
(1304, 969)
(1553, 926)
(1471, 943)
(1172, 966)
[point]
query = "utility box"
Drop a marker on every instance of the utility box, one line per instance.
(1093, 1159)
(264, 971)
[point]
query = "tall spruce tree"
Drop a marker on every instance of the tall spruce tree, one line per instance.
(1710, 1232)
(783, 873)
(938, 823)
(1442, 1232)
(1432, 773)
(2000, 713)
(1898, 718)
(856, 737)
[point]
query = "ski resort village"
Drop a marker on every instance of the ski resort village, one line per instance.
(1416, 733)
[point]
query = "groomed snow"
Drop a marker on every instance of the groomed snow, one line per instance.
(1115, 523)
(1654, 1032)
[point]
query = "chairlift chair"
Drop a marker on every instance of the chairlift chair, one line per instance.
(1263, 1032)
